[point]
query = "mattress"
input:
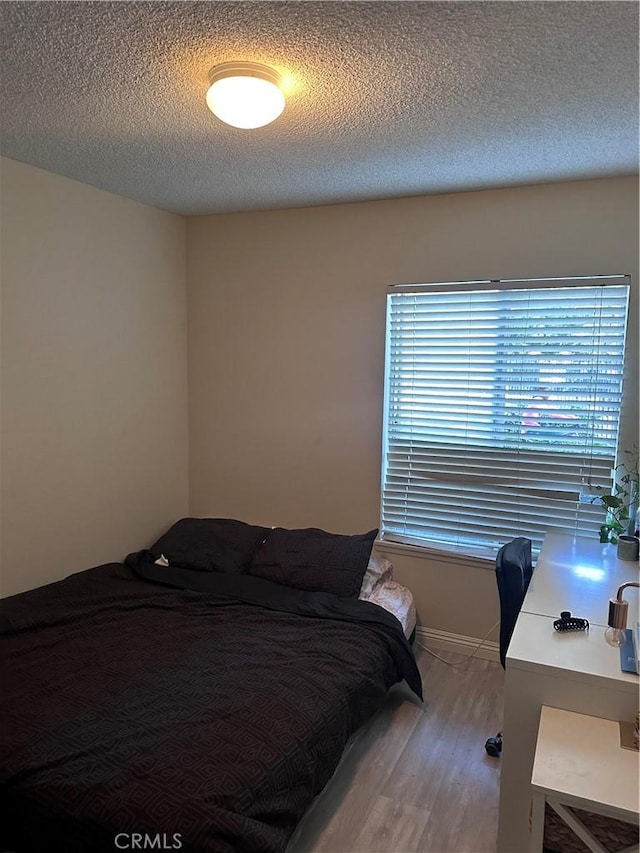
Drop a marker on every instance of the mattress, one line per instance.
(397, 600)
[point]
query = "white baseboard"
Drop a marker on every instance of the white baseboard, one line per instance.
(446, 642)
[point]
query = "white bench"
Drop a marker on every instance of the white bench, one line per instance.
(579, 763)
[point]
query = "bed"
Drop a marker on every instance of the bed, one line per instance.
(197, 696)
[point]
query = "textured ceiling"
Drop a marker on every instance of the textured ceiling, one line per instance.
(388, 98)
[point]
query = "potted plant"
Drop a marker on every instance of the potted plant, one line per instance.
(621, 503)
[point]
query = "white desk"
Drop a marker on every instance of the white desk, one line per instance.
(575, 671)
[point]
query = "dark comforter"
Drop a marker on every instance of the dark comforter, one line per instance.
(212, 707)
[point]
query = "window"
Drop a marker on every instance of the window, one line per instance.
(502, 406)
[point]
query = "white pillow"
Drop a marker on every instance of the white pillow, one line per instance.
(378, 570)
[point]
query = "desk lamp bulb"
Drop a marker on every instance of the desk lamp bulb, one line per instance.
(616, 637)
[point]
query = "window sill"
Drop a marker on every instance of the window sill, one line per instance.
(426, 552)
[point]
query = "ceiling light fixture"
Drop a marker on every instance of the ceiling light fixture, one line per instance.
(245, 94)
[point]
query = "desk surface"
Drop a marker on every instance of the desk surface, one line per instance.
(580, 575)
(580, 656)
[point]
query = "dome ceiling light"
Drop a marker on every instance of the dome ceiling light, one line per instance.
(245, 94)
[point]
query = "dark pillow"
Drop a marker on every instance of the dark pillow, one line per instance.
(313, 559)
(210, 544)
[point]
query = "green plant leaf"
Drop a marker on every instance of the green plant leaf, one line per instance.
(611, 501)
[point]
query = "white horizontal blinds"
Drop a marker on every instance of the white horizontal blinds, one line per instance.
(501, 410)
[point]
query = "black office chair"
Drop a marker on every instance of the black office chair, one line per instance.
(513, 573)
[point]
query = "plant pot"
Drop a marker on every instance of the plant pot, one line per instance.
(628, 547)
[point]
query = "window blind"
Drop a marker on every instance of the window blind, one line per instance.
(502, 408)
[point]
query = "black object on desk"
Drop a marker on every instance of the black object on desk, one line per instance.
(567, 622)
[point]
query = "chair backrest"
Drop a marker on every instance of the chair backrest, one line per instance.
(513, 573)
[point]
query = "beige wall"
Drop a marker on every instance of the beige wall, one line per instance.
(286, 347)
(286, 354)
(94, 383)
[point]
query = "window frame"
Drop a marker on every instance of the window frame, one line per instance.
(428, 547)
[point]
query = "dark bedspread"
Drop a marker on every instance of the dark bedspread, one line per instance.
(216, 711)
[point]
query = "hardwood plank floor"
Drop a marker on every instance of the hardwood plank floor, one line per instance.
(417, 778)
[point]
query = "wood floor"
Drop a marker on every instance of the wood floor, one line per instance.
(417, 778)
